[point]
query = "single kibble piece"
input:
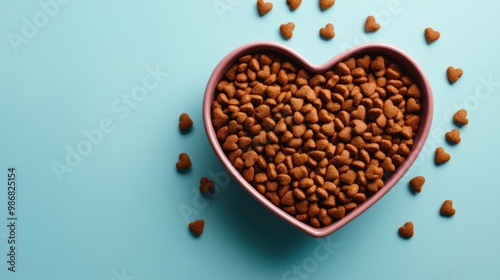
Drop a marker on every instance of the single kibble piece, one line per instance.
(441, 156)
(264, 7)
(447, 208)
(185, 121)
(286, 30)
(327, 32)
(184, 162)
(325, 4)
(371, 24)
(431, 35)
(453, 136)
(206, 185)
(453, 74)
(417, 183)
(406, 231)
(196, 227)
(460, 117)
(294, 4)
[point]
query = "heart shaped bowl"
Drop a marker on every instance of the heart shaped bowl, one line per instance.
(392, 53)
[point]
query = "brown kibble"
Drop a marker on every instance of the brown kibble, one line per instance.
(286, 30)
(453, 136)
(219, 118)
(264, 7)
(231, 143)
(206, 185)
(184, 162)
(416, 183)
(447, 208)
(337, 212)
(390, 111)
(371, 25)
(406, 231)
(294, 4)
(196, 227)
(454, 74)
(327, 32)
(349, 177)
(460, 117)
(441, 156)
(431, 35)
(364, 62)
(287, 199)
(325, 4)
(316, 145)
(185, 122)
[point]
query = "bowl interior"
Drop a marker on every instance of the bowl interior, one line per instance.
(391, 52)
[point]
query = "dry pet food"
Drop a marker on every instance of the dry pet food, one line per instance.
(185, 122)
(286, 30)
(406, 231)
(206, 185)
(441, 156)
(184, 162)
(460, 117)
(327, 32)
(316, 145)
(371, 24)
(294, 4)
(196, 227)
(447, 208)
(264, 7)
(417, 183)
(453, 136)
(325, 4)
(453, 74)
(431, 35)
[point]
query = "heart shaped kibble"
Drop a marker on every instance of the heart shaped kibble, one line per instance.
(453, 136)
(371, 24)
(416, 183)
(196, 227)
(431, 35)
(441, 156)
(460, 117)
(264, 7)
(294, 4)
(454, 74)
(407, 230)
(317, 145)
(206, 185)
(447, 208)
(325, 4)
(327, 32)
(184, 162)
(185, 122)
(286, 30)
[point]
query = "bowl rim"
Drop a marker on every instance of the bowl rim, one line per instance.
(395, 54)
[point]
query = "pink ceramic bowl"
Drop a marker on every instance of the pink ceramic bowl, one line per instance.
(372, 48)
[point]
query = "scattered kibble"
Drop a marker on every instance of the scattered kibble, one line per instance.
(454, 74)
(327, 32)
(441, 156)
(264, 7)
(407, 230)
(417, 183)
(196, 227)
(431, 35)
(371, 24)
(447, 208)
(184, 162)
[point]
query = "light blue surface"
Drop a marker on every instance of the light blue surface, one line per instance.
(116, 215)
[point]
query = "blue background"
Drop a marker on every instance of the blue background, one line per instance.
(117, 215)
